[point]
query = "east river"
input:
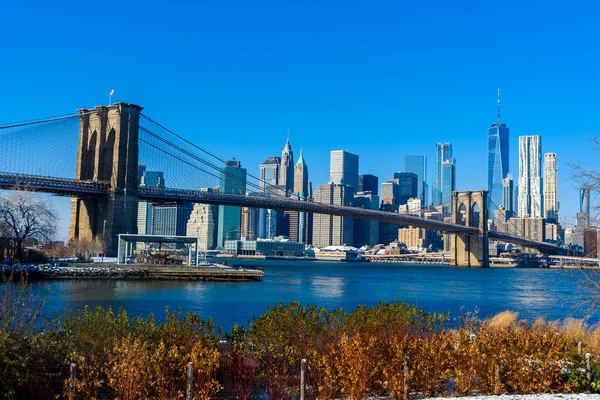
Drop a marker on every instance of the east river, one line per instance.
(548, 293)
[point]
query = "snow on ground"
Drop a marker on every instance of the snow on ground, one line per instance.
(565, 396)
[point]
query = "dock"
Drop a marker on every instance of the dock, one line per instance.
(204, 274)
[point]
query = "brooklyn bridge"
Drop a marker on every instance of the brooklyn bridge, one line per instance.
(93, 156)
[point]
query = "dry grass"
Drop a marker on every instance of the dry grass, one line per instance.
(503, 320)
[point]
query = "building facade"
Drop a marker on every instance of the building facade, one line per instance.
(343, 169)
(170, 219)
(269, 173)
(550, 187)
(145, 210)
(203, 225)
(448, 185)
(530, 177)
(233, 180)
(301, 178)
(408, 186)
(389, 191)
(331, 230)
(508, 203)
(368, 183)
(443, 154)
(366, 232)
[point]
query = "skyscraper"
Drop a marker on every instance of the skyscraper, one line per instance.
(286, 170)
(448, 178)
(530, 177)
(443, 153)
(389, 193)
(583, 217)
(498, 145)
(269, 173)
(418, 166)
(171, 219)
(301, 177)
(368, 183)
(330, 230)
(365, 232)
(203, 225)
(550, 187)
(408, 186)
(233, 180)
(343, 169)
(508, 196)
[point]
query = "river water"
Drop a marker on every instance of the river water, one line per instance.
(548, 293)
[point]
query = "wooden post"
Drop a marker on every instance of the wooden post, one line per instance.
(497, 377)
(302, 378)
(190, 380)
(579, 347)
(406, 379)
(588, 369)
(73, 371)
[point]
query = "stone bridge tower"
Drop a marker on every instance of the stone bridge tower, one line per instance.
(107, 151)
(470, 249)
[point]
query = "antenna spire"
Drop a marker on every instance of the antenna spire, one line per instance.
(498, 106)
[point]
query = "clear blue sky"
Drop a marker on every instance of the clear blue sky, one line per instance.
(381, 79)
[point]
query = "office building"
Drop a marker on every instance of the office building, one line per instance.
(203, 225)
(508, 197)
(418, 166)
(343, 169)
(408, 186)
(233, 180)
(272, 247)
(582, 218)
(145, 213)
(443, 154)
(550, 187)
(301, 178)
(366, 232)
(140, 173)
(527, 227)
(389, 191)
(286, 170)
(530, 177)
(448, 178)
(368, 183)
(498, 160)
(269, 174)
(330, 230)
(171, 219)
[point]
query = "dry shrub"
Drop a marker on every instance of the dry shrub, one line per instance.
(429, 362)
(238, 368)
(356, 362)
(166, 372)
(126, 368)
(503, 320)
(205, 361)
(392, 366)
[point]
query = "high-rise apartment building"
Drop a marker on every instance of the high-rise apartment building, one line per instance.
(269, 173)
(443, 153)
(408, 186)
(550, 187)
(368, 183)
(343, 169)
(508, 196)
(418, 165)
(286, 170)
(203, 225)
(330, 230)
(498, 160)
(301, 177)
(233, 180)
(448, 178)
(530, 177)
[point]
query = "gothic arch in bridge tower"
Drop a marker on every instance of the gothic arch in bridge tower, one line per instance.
(469, 249)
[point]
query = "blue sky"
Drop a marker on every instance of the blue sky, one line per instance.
(381, 79)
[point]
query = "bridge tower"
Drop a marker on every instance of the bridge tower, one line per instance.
(107, 151)
(470, 249)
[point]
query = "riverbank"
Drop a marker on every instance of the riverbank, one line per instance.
(135, 272)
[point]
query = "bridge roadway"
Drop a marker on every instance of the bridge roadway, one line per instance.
(75, 187)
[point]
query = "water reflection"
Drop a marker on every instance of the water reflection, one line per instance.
(327, 287)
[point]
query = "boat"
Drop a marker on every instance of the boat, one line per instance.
(339, 253)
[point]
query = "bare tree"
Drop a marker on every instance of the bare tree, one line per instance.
(26, 216)
(589, 179)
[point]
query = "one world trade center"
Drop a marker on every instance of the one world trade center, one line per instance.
(497, 161)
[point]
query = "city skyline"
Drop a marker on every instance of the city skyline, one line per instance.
(225, 75)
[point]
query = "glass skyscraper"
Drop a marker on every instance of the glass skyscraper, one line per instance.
(448, 185)
(498, 136)
(442, 155)
(418, 166)
(530, 177)
(343, 169)
(233, 180)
